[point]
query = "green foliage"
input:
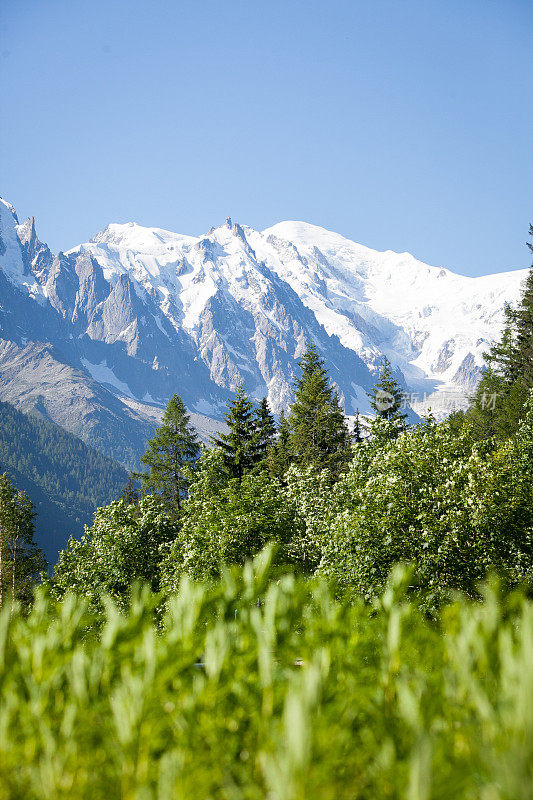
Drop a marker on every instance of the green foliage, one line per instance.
(358, 429)
(431, 494)
(252, 689)
(130, 493)
(174, 447)
(227, 520)
(65, 479)
(279, 456)
(21, 561)
(265, 429)
(453, 507)
(122, 546)
(318, 432)
(497, 406)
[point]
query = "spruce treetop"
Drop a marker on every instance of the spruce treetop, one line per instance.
(357, 431)
(387, 398)
(239, 445)
(174, 447)
(265, 427)
(318, 431)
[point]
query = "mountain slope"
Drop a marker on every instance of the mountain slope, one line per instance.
(136, 314)
(434, 325)
(66, 480)
(39, 380)
(242, 320)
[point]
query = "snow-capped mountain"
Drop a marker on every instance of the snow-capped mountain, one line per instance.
(243, 320)
(140, 313)
(433, 325)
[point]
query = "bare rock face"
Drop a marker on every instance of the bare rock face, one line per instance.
(137, 314)
(468, 374)
(35, 255)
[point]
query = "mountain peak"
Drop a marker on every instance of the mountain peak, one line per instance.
(27, 233)
(9, 208)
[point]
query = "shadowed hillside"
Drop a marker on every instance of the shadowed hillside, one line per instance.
(65, 479)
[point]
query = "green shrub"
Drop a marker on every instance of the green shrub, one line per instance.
(121, 546)
(227, 520)
(454, 507)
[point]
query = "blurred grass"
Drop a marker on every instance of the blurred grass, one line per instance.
(260, 688)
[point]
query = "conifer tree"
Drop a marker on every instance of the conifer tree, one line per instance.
(174, 447)
(130, 494)
(265, 429)
(387, 397)
(239, 446)
(318, 432)
(495, 407)
(502, 356)
(485, 412)
(357, 431)
(524, 333)
(280, 453)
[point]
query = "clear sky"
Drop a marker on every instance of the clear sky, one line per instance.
(402, 124)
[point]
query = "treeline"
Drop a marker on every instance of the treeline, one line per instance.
(201, 508)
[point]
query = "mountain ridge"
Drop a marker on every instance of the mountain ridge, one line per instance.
(141, 313)
(337, 279)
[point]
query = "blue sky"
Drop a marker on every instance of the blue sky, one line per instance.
(402, 124)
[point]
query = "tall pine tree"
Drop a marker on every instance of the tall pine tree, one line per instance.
(174, 447)
(357, 430)
(318, 432)
(387, 397)
(130, 495)
(239, 446)
(265, 429)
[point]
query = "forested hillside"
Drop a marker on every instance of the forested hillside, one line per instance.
(65, 479)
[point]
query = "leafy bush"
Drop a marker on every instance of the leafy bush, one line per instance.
(227, 520)
(122, 546)
(252, 689)
(454, 507)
